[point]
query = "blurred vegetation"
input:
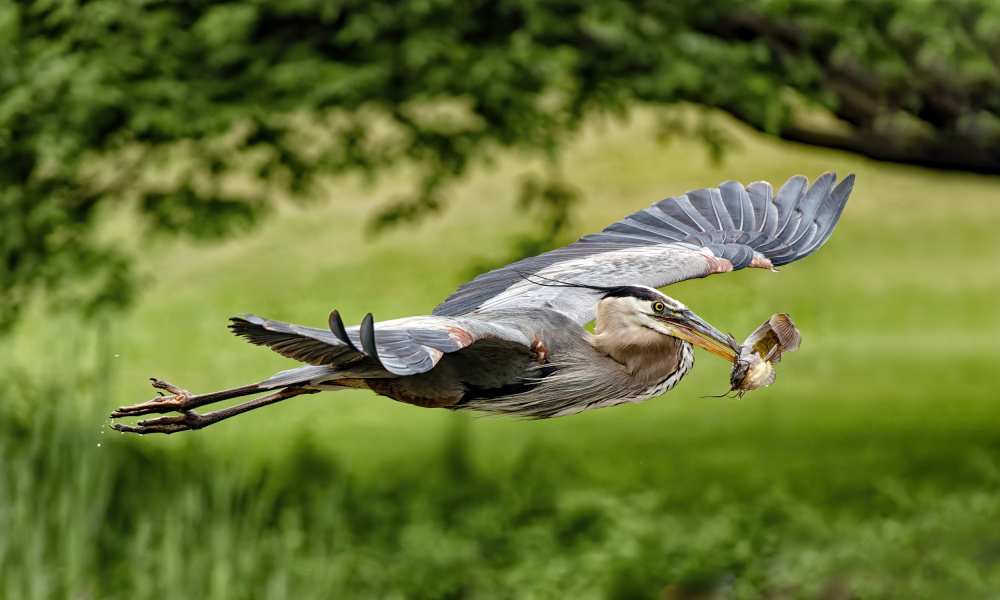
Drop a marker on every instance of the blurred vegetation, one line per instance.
(200, 114)
(870, 470)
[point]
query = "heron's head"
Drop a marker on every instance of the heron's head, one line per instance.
(639, 308)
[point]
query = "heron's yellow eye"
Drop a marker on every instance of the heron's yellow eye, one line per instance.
(658, 307)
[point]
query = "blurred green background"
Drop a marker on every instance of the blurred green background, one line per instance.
(870, 470)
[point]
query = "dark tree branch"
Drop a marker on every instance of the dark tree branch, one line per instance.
(937, 102)
(955, 153)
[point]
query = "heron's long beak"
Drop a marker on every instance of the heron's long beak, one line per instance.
(692, 328)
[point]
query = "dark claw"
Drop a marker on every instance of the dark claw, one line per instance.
(173, 389)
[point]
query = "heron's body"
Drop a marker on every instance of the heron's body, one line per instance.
(513, 341)
(551, 377)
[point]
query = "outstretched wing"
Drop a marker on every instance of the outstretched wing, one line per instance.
(704, 231)
(401, 347)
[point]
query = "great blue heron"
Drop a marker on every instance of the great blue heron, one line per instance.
(513, 342)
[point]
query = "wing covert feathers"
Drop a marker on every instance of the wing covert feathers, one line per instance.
(696, 234)
(401, 347)
(306, 344)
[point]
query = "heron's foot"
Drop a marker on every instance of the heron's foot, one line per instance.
(185, 403)
(180, 401)
(188, 420)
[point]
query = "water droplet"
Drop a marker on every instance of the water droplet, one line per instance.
(98, 445)
(116, 355)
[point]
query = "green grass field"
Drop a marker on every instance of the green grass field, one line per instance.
(871, 469)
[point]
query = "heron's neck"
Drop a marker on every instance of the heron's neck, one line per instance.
(646, 354)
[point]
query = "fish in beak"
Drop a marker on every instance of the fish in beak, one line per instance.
(754, 365)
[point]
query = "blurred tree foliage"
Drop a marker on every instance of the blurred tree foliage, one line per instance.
(171, 104)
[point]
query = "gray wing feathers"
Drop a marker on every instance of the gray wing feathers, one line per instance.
(297, 376)
(826, 217)
(669, 242)
(765, 213)
(338, 329)
(306, 344)
(805, 210)
(401, 347)
(738, 205)
(367, 334)
(680, 208)
(785, 201)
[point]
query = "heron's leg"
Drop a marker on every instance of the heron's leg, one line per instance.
(188, 419)
(181, 399)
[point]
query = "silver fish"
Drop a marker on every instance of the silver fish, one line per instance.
(753, 366)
